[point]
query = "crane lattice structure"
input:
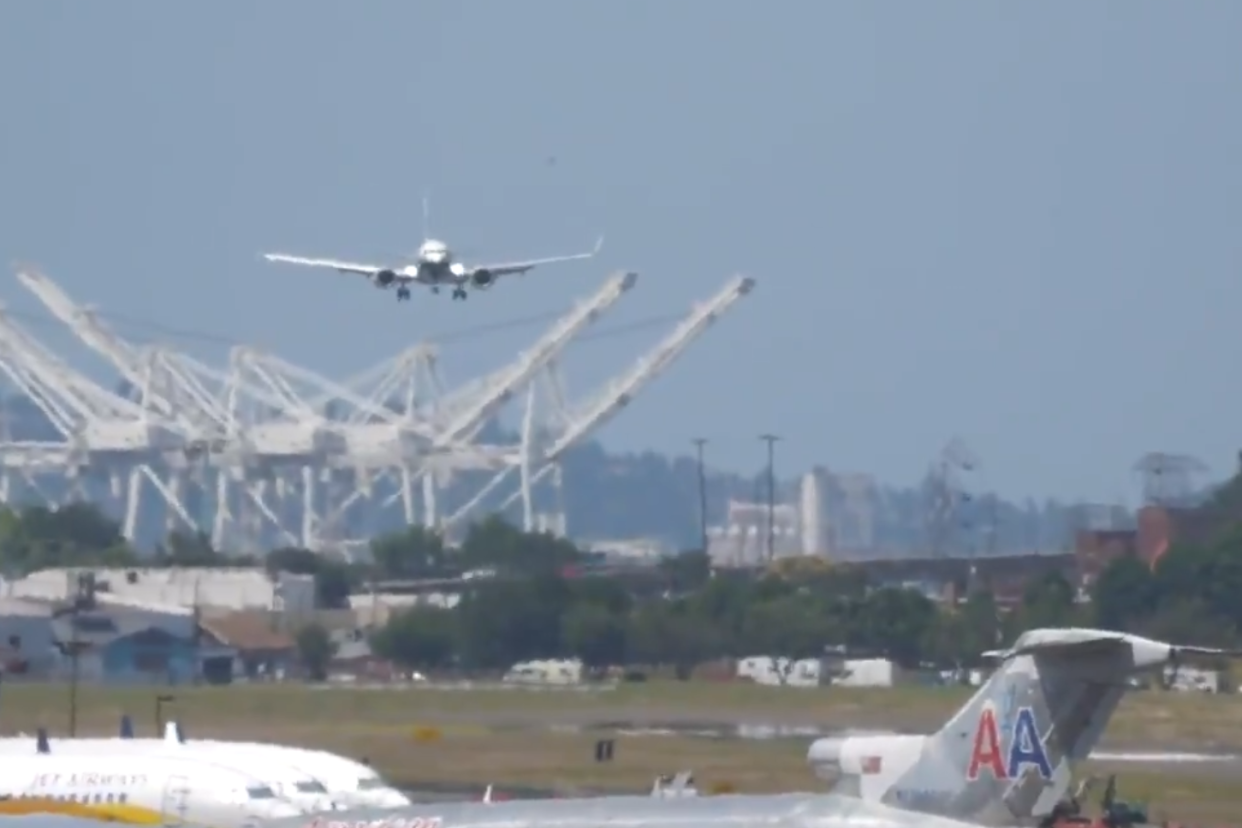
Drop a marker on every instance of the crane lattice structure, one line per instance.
(540, 450)
(264, 451)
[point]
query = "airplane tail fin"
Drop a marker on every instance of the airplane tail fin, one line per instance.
(1007, 755)
(426, 215)
(174, 733)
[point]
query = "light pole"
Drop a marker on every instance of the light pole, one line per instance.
(160, 701)
(699, 443)
(771, 439)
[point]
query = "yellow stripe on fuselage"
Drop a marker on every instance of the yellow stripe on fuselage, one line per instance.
(104, 811)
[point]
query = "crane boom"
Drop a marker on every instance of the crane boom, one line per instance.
(619, 393)
(512, 378)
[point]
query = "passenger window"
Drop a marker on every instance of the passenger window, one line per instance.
(122, 797)
(109, 798)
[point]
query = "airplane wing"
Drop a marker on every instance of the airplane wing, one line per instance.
(370, 271)
(514, 268)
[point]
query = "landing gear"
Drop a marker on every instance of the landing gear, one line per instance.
(403, 293)
(460, 293)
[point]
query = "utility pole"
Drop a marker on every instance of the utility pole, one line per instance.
(79, 597)
(699, 443)
(771, 439)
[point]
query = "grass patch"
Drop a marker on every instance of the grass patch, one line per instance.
(432, 737)
(1150, 719)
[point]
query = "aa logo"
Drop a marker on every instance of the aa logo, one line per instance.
(1006, 754)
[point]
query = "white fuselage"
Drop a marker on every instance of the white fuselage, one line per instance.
(138, 789)
(347, 781)
(287, 781)
(435, 263)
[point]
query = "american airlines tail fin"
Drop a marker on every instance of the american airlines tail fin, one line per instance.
(1008, 754)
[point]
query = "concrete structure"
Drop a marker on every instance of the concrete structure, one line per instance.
(174, 589)
(261, 453)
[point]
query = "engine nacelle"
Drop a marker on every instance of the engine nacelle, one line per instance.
(384, 278)
(863, 755)
(482, 279)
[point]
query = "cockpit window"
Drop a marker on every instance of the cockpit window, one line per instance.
(310, 786)
(260, 792)
(371, 783)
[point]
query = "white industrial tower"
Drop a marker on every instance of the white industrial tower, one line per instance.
(262, 452)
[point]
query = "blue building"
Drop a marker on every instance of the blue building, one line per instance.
(123, 647)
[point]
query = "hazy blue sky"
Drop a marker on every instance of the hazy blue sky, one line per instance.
(1020, 223)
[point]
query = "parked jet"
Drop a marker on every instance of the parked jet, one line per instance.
(275, 771)
(1003, 759)
(144, 790)
(434, 266)
(346, 780)
(313, 780)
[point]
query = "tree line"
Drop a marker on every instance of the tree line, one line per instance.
(538, 596)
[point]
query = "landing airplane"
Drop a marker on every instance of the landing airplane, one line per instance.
(434, 265)
(1003, 759)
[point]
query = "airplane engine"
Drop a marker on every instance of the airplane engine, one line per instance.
(385, 278)
(862, 755)
(482, 279)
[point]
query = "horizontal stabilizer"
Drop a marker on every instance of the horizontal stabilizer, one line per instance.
(1075, 643)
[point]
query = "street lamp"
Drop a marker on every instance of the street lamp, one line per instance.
(160, 701)
(699, 443)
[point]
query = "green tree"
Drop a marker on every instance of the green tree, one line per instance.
(504, 621)
(595, 634)
(415, 552)
(1047, 602)
(981, 626)
(791, 626)
(721, 605)
(189, 550)
(334, 580)
(686, 572)
(494, 543)
(665, 633)
(315, 651)
(893, 621)
(424, 638)
(76, 534)
(1124, 595)
(1190, 619)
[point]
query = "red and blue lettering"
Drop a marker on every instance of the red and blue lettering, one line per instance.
(1025, 749)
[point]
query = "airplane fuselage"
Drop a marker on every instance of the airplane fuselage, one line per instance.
(743, 811)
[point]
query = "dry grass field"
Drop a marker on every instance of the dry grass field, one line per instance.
(532, 738)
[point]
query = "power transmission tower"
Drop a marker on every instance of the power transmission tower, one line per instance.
(1168, 479)
(948, 503)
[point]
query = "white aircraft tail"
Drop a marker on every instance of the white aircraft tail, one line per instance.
(1008, 754)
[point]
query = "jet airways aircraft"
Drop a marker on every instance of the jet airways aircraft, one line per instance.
(1003, 759)
(275, 771)
(434, 266)
(140, 790)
